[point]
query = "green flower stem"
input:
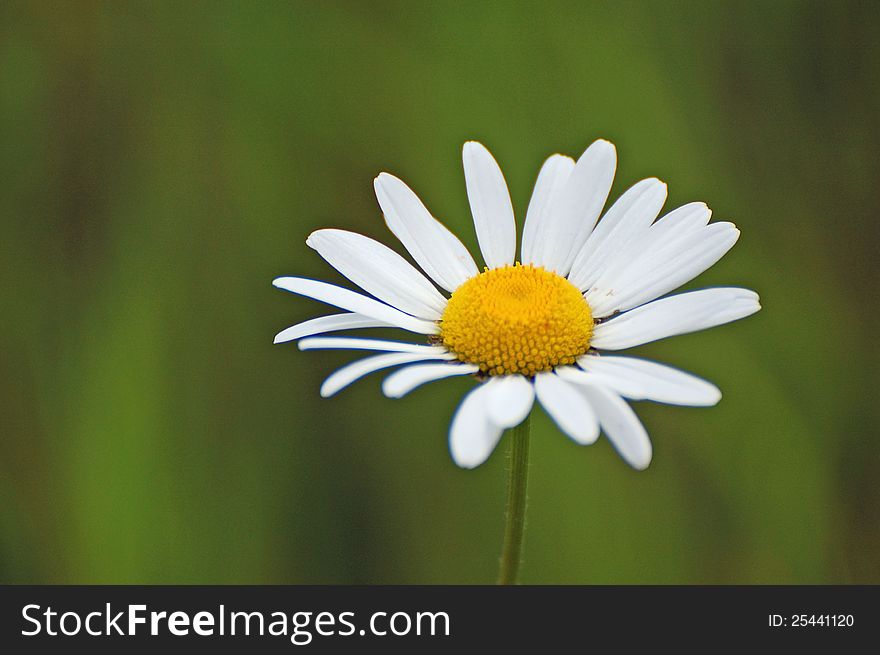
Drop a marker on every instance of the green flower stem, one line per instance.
(515, 520)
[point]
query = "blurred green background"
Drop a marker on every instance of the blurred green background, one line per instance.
(161, 163)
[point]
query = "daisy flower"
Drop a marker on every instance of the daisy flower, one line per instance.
(539, 327)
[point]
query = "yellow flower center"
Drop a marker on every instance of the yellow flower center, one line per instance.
(517, 319)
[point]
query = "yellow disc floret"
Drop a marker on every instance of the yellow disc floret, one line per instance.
(517, 319)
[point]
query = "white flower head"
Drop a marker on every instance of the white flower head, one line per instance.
(536, 328)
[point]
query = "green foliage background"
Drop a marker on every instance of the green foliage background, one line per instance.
(161, 162)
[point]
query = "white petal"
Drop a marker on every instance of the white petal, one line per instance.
(640, 379)
(665, 269)
(568, 407)
(627, 219)
(621, 425)
(472, 436)
(690, 216)
(379, 271)
(344, 376)
(577, 208)
(510, 399)
(642, 252)
(621, 385)
(490, 205)
(356, 343)
(331, 323)
(437, 250)
(679, 314)
(355, 302)
(405, 380)
(551, 180)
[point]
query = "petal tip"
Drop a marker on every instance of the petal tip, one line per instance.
(606, 145)
(473, 148)
(641, 465)
(640, 460)
(391, 390)
(467, 463)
